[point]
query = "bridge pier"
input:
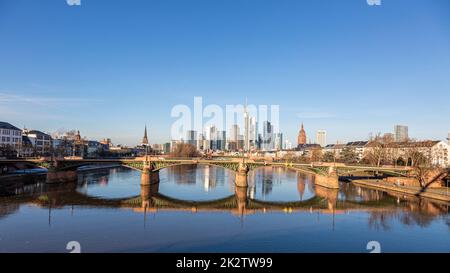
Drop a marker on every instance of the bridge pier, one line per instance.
(241, 198)
(329, 180)
(331, 195)
(148, 175)
(147, 191)
(54, 176)
(241, 175)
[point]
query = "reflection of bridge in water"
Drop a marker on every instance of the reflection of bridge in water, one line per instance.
(380, 204)
(150, 199)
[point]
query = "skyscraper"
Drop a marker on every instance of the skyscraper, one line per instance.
(448, 138)
(221, 140)
(401, 133)
(302, 136)
(213, 137)
(253, 133)
(191, 137)
(234, 138)
(200, 141)
(321, 138)
(279, 141)
(267, 136)
(246, 129)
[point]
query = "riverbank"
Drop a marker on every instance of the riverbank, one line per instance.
(437, 194)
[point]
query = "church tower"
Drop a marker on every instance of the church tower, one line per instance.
(145, 138)
(302, 136)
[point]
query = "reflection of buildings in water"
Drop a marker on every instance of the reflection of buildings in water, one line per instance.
(25, 185)
(207, 179)
(209, 176)
(267, 178)
(252, 192)
(182, 174)
(304, 180)
(311, 183)
(214, 176)
(252, 184)
(103, 181)
(8, 209)
(100, 176)
(351, 192)
(409, 210)
(301, 186)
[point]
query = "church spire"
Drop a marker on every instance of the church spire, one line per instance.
(302, 136)
(145, 139)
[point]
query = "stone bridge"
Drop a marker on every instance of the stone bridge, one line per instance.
(60, 170)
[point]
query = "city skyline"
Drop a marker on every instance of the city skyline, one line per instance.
(90, 76)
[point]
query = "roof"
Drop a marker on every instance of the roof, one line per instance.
(357, 143)
(37, 132)
(335, 146)
(6, 125)
(308, 146)
(416, 144)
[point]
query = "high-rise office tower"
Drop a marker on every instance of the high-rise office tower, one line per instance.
(401, 133)
(200, 142)
(234, 138)
(221, 140)
(321, 138)
(246, 129)
(448, 138)
(287, 144)
(234, 135)
(213, 137)
(253, 133)
(279, 141)
(191, 137)
(267, 136)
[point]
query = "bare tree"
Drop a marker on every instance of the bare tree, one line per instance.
(184, 150)
(424, 169)
(376, 152)
(316, 154)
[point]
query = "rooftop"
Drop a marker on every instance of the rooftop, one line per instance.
(36, 132)
(6, 125)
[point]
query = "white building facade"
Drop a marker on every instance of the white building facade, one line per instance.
(10, 136)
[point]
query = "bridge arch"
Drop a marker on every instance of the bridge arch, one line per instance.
(73, 166)
(232, 166)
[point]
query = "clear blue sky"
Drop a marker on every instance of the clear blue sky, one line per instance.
(108, 67)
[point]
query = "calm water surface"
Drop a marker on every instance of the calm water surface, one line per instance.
(198, 209)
